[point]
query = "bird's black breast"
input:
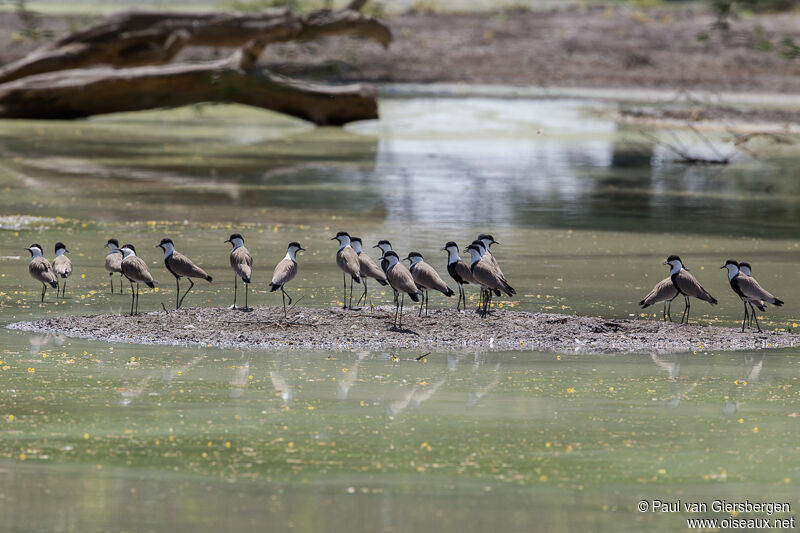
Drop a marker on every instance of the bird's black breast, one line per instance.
(674, 279)
(451, 269)
(735, 286)
(166, 264)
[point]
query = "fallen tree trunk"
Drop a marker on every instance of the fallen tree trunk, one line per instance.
(136, 38)
(85, 92)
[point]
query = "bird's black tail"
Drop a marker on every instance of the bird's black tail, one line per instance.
(246, 279)
(54, 284)
(152, 284)
(357, 279)
(382, 282)
(414, 296)
(209, 279)
(644, 304)
(273, 287)
(777, 302)
(449, 292)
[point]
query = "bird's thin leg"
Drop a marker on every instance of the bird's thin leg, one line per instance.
(396, 308)
(685, 303)
(178, 293)
(137, 298)
(283, 299)
(458, 302)
(402, 300)
(44, 290)
(364, 294)
(235, 284)
(121, 290)
(427, 300)
(421, 303)
(688, 309)
(344, 291)
(132, 298)
(191, 286)
(287, 294)
(755, 317)
(246, 292)
(351, 293)
(64, 292)
(111, 279)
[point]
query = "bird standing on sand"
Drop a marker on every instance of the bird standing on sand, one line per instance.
(748, 289)
(487, 277)
(664, 291)
(347, 261)
(488, 241)
(369, 269)
(180, 266)
(135, 270)
(401, 280)
(62, 265)
(459, 271)
(114, 263)
(285, 271)
(242, 265)
(426, 277)
(687, 285)
(40, 269)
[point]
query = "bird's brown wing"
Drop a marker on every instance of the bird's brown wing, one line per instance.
(426, 276)
(114, 262)
(664, 290)
(369, 268)
(347, 259)
(135, 268)
(753, 291)
(62, 266)
(285, 271)
(486, 275)
(689, 285)
(183, 266)
(401, 279)
(41, 269)
(463, 270)
(242, 262)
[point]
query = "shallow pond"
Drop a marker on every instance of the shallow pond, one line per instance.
(125, 437)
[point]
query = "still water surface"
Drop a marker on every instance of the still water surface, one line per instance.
(123, 437)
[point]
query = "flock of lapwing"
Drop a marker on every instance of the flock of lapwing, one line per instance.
(416, 280)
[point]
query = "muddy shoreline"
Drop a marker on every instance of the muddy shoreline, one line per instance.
(334, 329)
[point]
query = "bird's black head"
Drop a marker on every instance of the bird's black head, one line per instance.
(391, 253)
(450, 244)
(672, 258)
(130, 247)
(233, 237)
(474, 247)
(355, 239)
(342, 234)
(411, 255)
(296, 245)
(731, 262)
(59, 246)
(164, 241)
(479, 244)
(115, 242)
(35, 246)
(746, 265)
(384, 242)
(487, 237)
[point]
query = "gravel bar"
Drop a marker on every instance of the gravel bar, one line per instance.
(264, 328)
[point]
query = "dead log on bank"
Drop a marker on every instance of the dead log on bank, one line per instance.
(52, 83)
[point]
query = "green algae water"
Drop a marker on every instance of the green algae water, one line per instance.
(122, 437)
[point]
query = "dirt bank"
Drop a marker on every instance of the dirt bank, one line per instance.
(335, 329)
(567, 47)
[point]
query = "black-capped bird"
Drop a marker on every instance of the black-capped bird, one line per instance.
(487, 277)
(369, 268)
(62, 265)
(285, 271)
(40, 269)
(135, 271)
(750, 292)
(242, 265)
(664, 291)
(687, 285)
(459, 271)
(113, 264)
(426, 277)
(348, 263)
(180, 266)
(401, 280)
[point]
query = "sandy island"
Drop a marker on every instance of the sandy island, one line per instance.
(335, 329)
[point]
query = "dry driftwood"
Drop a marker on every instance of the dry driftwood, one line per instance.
(51, 83)
(86, 92)
(136, 38)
